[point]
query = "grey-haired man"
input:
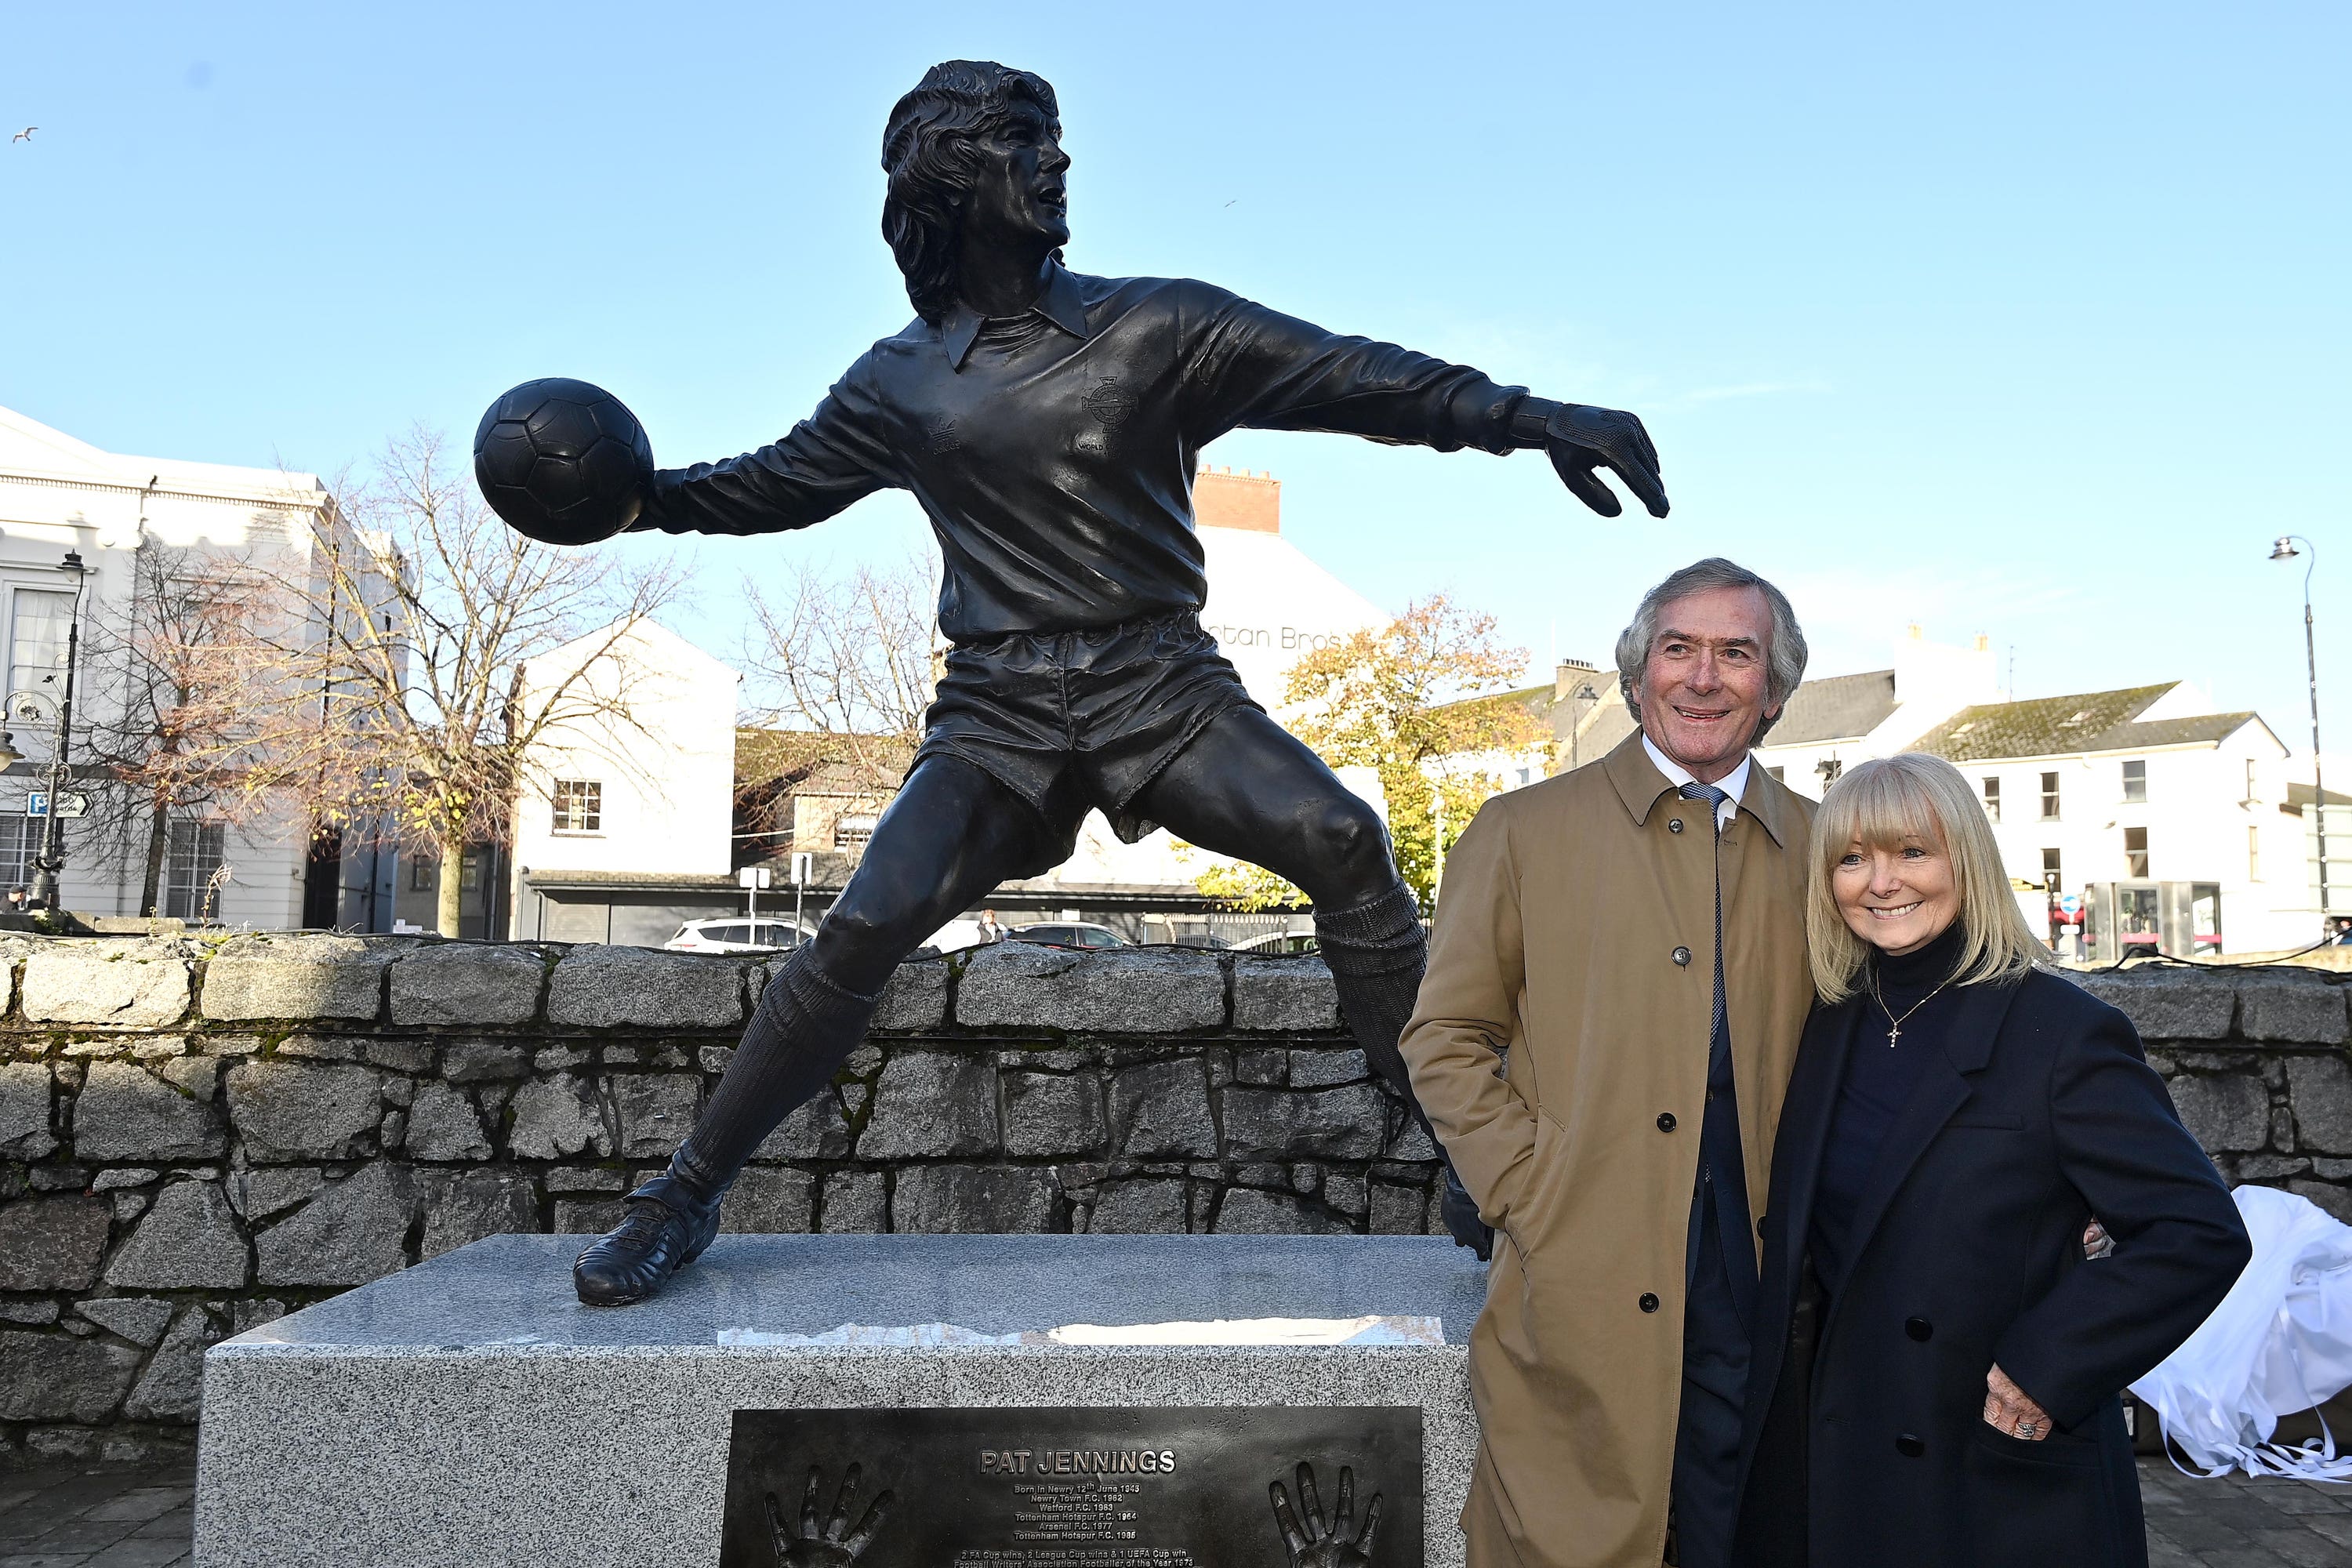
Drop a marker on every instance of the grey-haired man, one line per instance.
(1629, 939)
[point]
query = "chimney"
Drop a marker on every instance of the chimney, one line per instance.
(1223, 498)
(1570, 675)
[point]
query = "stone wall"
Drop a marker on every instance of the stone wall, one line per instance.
(196, 1137)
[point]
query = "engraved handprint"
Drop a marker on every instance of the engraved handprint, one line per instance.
(1313, 1546)
(834, 1544)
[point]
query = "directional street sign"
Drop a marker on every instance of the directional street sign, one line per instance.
(73, 803)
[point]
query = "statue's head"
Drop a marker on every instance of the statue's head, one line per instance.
(975, 157)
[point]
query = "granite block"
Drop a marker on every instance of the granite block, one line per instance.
(606, 987)
(915, 998)
(470, 985)
(25, 1111)
(1150, 991)
(2292, 1004)
(2167, 1005)
(287, 976)
(52, 1243)
(469, 1411)
(292, 1111)
(1292, 995)
(125, 1112)
(130, 982)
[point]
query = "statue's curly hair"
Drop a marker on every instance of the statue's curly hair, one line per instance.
(927, 152)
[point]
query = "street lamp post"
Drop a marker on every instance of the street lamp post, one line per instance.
(2285, 549)
(52, 858)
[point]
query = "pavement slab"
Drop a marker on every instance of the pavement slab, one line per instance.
(140, 1516)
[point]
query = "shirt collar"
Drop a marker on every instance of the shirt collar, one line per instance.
(1059, 302)
(1733, 784)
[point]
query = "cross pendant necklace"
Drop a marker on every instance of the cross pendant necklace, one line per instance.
(1894, 1024)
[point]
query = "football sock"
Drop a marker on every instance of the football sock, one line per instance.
(1376, 952)
(804, 1028)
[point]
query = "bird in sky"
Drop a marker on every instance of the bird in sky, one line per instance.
(25, 134)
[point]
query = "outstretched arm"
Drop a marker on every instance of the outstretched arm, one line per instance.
(825, 462)
(1248, 366)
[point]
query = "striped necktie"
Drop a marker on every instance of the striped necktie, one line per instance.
(1722, 1167)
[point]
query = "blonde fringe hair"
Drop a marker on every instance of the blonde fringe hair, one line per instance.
(1879, 804)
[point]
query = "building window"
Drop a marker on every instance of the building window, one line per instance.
(2049, 797)
(1778, 775)
(20, 840)
(36, 641)
(2048, 866)
(37, 622)
(2254, 851)
(469, 872)
(2135, 852)
(850, 831)
(1829, 768)
(1992, 799)
(2250, 796)
(420, 874)
(579, 806)
(2135, 781)
(192, 863)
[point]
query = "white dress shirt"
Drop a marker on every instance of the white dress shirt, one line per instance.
(1733, 784)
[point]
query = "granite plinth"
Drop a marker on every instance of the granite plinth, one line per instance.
(469, 1411)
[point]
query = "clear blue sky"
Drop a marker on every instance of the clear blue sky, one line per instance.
(2026, 320)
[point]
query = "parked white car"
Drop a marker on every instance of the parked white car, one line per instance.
(1297, 941)
(1081, 934)
(957, 935)
(736, 935)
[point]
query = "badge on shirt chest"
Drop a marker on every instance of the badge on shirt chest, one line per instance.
(1110, 404)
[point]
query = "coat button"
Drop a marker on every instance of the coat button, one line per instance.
(1666, 1121)
(1675, 825)
(1920, 1328)
(1681, 955)
(1649, 1302)
(1909, 1446)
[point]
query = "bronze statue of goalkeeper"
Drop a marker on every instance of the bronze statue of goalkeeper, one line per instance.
(1050, 423)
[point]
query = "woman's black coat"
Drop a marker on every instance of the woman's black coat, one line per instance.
(2039, 1112)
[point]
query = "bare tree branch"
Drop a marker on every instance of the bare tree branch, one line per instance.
(854, 660)
(401, 708)
(179, 673)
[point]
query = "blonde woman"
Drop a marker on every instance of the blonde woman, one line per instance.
(1938, 1366)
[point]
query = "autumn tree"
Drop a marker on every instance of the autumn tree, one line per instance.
(402, 706)
(1422, 702)
(179, 679)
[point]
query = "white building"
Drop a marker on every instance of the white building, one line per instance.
(2146, 785)
(624, 825)
(59, 494)
(1269, 602)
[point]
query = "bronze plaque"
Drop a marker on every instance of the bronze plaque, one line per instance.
(1154, 1487)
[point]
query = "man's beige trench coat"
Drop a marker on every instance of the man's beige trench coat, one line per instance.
(1576, 926)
